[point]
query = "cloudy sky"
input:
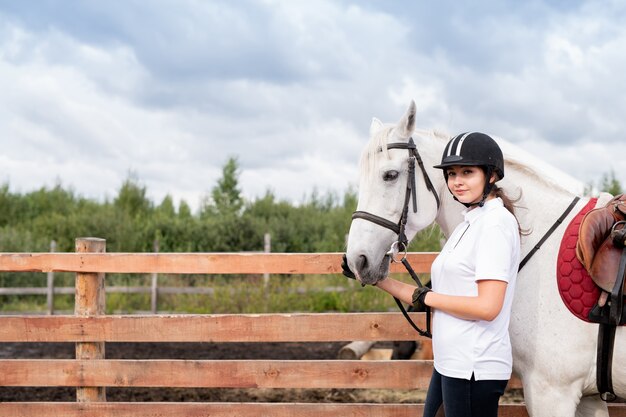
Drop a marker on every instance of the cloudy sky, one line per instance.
(94, 91)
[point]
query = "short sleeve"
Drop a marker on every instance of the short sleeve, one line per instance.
(495, 252)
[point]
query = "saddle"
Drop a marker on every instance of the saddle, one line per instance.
(601, 241)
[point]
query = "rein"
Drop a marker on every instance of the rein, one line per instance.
(398, 228)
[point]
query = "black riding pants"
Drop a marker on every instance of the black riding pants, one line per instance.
(462, 397)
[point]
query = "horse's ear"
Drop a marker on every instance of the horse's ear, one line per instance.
(406, 125)
(376, 126)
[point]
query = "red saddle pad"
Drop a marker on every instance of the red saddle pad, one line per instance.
(577, 289)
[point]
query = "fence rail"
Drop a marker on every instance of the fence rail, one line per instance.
(229, 410)
(153, 265)
(154, 289)
(90, 329)
(300, 327)
(191, 263)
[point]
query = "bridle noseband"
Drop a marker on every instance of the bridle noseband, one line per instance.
(399, 228)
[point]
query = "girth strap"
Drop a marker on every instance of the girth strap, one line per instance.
(606, 335)
(606, 340)
(617, 295)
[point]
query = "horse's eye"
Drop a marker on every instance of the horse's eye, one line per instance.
(390, 175)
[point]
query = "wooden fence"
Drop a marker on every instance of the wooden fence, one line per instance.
(89, 328)
(155, 290)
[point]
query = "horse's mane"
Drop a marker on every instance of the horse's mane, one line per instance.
(377, 142)
(516, 159)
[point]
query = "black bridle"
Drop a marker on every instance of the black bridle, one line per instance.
(399, 228)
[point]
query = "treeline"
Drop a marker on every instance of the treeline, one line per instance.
(131, 222)
(225, 221)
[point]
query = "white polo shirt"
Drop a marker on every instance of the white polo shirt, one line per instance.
(484, 246)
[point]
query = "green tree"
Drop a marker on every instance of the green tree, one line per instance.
(223, 225)
(184, 211)
(610, 184)
(226, 196)
(132, 210)
(12, 206)
(588, 190)
(166, 208)
(131, 198)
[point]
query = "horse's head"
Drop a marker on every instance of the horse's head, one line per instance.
(393, 180)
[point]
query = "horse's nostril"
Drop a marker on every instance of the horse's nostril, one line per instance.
(362, 262)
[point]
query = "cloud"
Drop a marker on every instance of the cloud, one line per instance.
(169, 91)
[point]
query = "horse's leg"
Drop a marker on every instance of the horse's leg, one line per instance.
(404, 349)
(592, 407)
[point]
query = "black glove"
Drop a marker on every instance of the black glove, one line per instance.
(418, 298)
(345, 269)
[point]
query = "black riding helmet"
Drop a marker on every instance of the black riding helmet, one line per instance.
(474, 149)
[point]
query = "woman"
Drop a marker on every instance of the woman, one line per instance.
(473, 280)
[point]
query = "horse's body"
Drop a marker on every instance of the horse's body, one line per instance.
(554, 353)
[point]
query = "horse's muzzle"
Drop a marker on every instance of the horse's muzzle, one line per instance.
(369, 273)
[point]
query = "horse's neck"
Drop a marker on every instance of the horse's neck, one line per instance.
(450, 213)
(538, 205)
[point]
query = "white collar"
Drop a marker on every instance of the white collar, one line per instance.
(471, 215)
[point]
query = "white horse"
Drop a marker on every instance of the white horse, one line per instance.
(554, 352)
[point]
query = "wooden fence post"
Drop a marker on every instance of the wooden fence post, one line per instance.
(90, 301)
(50, 290)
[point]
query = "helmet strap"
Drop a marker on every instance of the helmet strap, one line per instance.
(468, 205)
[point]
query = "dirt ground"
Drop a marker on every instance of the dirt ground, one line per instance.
(276, 351)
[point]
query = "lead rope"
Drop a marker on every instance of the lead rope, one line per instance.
(427, 332)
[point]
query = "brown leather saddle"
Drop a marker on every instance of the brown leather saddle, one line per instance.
(601, 241)
(601, 248)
